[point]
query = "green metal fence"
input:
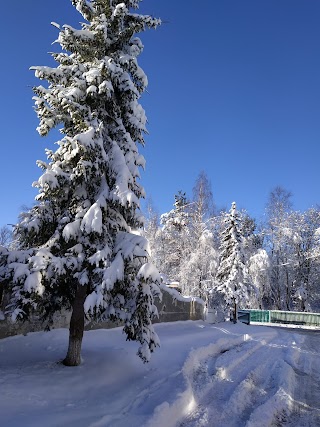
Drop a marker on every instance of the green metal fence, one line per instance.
(259, 315)
(284, 317)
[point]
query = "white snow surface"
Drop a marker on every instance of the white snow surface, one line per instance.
(221, 375)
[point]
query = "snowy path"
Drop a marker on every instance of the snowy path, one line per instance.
(306, 407)
(262, 382)
(203, 375)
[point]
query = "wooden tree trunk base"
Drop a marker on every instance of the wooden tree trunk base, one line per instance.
(73, 357)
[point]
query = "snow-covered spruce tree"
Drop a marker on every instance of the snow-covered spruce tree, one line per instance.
(78, 246)
(231, 274)
(6, 242)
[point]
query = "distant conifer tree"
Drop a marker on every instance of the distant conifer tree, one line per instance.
(231, 274)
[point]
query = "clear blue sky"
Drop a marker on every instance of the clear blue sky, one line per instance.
(234, 90)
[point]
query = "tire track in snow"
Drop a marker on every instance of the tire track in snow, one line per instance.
(249, 389)
(306, 395)
(170, 414)
(214, 384)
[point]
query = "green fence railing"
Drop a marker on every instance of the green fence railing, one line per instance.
(259, 315)
(284, 317)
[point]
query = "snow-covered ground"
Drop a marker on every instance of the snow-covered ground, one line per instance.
(220, 375)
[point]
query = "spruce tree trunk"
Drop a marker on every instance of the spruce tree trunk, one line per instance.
(76, 329)
(235, 312)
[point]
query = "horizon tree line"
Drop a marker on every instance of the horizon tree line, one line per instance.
(276, 264)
